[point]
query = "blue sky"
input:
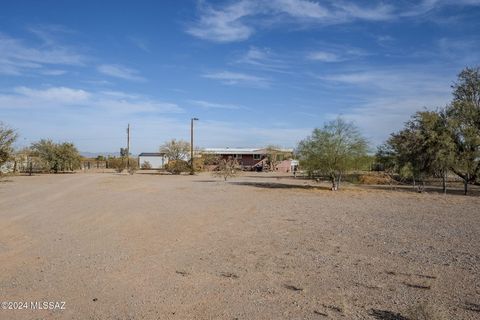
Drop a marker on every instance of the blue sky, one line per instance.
(254, 72)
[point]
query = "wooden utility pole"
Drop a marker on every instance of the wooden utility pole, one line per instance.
(128, 146)
(192, 169)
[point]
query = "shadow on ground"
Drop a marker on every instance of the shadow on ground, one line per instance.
(472, 191)
(277, 185)
(386, 315)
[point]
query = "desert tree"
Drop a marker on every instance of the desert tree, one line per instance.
(332, 150)
(176, 150)
(57, 156)
(7, 138)
(386, 160)
(434, 143)
(464, 122)
(423, 148)
(68, 156)
(439, 145)
(226, 168)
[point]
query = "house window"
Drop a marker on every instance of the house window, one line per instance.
(257, 157)
(238, 156)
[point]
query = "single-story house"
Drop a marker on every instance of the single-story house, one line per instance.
(152, 160)
(254, 158)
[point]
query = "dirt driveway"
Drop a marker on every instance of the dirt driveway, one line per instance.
(259, 247)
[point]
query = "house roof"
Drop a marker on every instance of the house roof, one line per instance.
(240, 150)
(151, 154)
(233, 150)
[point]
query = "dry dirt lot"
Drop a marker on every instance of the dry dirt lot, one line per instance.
(259, 247)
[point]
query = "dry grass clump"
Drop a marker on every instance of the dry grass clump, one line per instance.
(375, 178)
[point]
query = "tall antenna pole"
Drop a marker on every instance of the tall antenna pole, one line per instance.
(128, 146)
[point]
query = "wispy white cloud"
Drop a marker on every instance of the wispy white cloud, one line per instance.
(324, 56)
(335, 52)
(256, 56)
(349, 11)
(50, 34)
(53, 72)
(383, 99)
(118, 71)
(80, 117)
(236, 78)
(16, 57)
(57, 94)
(238, 21)
(235, 21)
(426, 6)
(225, 24)
(393, 80)
(214, 105)
(265, 59)
(58, 98)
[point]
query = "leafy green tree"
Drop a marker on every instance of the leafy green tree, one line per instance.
(464, 123)
(176, 150)
(439, 145)
(433, 143)
(57, 156)
(402, 150)
(386, 158)
(423, 148)
(68, 156)
(7, 138)
(332, 150)
(46, 151)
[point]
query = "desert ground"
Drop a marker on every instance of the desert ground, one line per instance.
(259, 246)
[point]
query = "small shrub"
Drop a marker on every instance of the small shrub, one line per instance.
(146, 165)
(119, 164)
(177, 166)
(133, 166)
(226, 168)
